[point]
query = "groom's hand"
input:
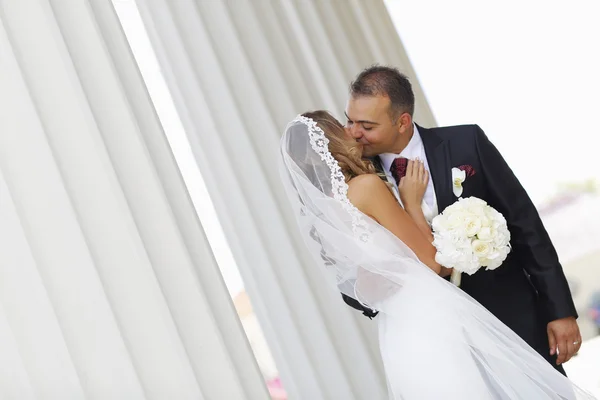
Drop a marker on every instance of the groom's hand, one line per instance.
(564, 338)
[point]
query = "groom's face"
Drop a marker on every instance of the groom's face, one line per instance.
(369, 123)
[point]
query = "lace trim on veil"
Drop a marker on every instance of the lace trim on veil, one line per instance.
(320, 145)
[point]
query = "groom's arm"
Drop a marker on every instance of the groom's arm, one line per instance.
(529, 239)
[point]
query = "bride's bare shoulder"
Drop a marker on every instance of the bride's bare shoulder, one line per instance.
(365, 181)
(364, 191)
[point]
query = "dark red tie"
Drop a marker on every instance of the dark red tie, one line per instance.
(398, 168)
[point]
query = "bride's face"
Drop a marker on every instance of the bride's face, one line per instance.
(343, 147)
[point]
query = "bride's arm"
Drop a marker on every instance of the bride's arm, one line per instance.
(412, 188)
(371, 196)
(416, 213)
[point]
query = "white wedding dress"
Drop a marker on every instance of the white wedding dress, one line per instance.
(436, 342)
(441, 344)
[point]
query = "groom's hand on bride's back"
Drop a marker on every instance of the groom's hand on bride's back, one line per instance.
(564, 338)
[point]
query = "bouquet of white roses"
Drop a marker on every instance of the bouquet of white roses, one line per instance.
(470, 235)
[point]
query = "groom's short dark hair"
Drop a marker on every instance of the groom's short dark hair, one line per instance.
(380, 80)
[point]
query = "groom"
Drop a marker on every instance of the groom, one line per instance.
(529, 292)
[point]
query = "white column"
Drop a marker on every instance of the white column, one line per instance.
(108, 288)
(238, 72)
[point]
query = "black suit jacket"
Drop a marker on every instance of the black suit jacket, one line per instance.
(529, 289)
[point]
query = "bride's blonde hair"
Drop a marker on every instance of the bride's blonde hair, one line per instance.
(347, 152)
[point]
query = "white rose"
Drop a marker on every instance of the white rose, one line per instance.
(472, 225)
(457, 219)
(497, 218)
(501, 237)
(480, 248)
(494, 263)
(485, 221)
(476, 210)
(496, 258)
(491, 265)
(485, 234)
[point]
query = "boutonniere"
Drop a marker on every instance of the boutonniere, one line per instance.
(459, 175)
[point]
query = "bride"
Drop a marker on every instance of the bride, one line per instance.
(436, 342)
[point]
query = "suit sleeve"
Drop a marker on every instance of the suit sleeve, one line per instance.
(529, 239)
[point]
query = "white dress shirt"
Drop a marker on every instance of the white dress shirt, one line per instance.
(413, 150)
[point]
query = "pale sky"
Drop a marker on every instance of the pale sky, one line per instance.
(526, 72)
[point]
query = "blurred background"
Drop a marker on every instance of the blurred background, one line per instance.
(147, 250)
(527, 73)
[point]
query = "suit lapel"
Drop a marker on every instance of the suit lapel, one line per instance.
(438, 158)
(378, 167)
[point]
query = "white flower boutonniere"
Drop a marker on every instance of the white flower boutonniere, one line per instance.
(459, 175)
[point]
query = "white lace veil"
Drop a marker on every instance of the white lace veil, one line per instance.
(339, 236)
(373, 266)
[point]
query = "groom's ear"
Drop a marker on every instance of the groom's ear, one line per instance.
(404, 123)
